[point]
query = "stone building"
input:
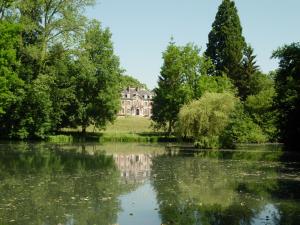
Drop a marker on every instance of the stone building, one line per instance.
(136, 102)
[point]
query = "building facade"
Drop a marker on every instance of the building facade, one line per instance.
(136, 102)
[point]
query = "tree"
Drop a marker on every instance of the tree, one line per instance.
(259, 105)
(11, 86)
(241, 129)
(205, 119)
(287, 99)
(60, 66)
(97, 75)
(249, 61)
(47, 29)
(53, 20)
(226, 42)
(248, 71)
(178, 83)
(129, 81)
(46, 23)
(216, 84)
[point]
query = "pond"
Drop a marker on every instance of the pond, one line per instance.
(147, 184)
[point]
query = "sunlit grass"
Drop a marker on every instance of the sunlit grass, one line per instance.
(131, 125)
(123, 129)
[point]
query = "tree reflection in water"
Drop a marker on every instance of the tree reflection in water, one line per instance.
(43, 184)
(225, 187)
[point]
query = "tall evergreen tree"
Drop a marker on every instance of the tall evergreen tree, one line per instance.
(249, 60)
(248, 70)
(226, 42)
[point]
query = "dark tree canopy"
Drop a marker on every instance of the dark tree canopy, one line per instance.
(287, 84)
(226, 42)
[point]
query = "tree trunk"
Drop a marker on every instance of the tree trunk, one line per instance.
(83, 130)
(170, 128)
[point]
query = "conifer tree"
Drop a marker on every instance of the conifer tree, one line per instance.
(248, 71)
(225, 41)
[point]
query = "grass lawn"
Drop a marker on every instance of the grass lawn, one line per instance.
(129, 125)
(124, 129)
(122, 125)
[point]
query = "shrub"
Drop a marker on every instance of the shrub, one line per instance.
(205, 119)
(241, 130)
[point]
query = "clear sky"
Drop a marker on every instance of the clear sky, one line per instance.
(142, 29)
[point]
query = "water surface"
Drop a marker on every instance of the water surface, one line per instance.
(128, 184)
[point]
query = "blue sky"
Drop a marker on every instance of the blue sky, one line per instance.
(142, 29)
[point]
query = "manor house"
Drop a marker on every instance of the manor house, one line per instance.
(136, 102)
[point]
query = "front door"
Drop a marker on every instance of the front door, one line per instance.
(137, 112)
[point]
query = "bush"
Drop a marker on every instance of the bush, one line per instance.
(205, 119)
(241, 130)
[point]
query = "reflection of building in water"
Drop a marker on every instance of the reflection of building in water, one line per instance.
(134, 167)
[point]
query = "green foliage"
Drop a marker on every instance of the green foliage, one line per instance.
(287, 85)
(226, 42)
(246, 83)
(52, 21)
(178, 82)
(229, 52)
(54, 73)
(35, 111)
(259, 105)
(217, 84)
(60, 67)
(129, 81)
(241, 129)
(97, 76)
(206, 118)
(11, 86)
